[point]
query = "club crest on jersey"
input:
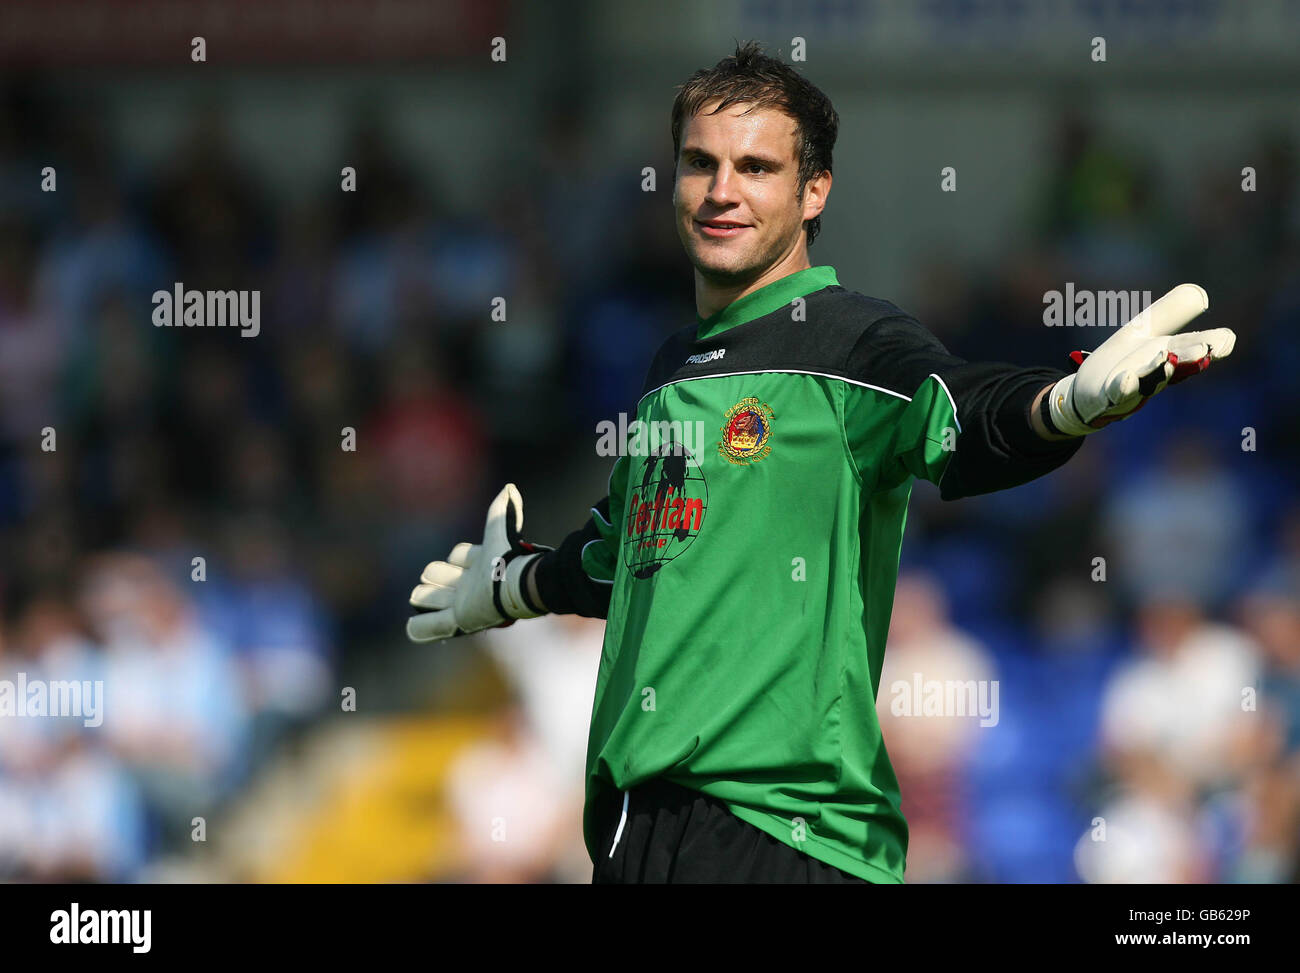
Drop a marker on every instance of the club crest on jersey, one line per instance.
(746, 432)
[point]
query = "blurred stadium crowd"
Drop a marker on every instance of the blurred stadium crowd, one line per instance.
(1158, 709)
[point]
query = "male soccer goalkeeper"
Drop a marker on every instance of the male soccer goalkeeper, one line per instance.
(747, 581)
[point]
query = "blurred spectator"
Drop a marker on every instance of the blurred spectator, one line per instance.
(68, 809)
(267, 613)
(1179, 531)
(928, 749)
(552, 663)
(428, 443)
(503, 792)
(1185, 698)
(174, 709)
(1179, 724)
(1273, 620)
(1150, 834)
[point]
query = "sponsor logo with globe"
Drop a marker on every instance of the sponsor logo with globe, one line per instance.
(667, 504)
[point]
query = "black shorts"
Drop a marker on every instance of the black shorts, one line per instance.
(671, 834)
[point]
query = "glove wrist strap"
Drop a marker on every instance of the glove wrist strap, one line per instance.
(509, 593)
(1045, 414)
(1060, 414)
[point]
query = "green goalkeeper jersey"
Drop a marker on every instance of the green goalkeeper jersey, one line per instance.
(746, 555)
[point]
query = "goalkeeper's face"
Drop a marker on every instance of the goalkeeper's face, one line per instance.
(739, 167)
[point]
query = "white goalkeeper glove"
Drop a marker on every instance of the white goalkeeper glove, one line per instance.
(1136, 362)
(479, 585)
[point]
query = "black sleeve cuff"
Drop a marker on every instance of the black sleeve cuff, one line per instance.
(998, 448)
(1015, 423)
(563, 585)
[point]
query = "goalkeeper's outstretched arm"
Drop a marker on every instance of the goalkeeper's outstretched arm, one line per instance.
(975, 427)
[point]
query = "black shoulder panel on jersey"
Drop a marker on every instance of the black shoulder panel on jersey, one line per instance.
(869, 341)
(998, 448)
(832, 321)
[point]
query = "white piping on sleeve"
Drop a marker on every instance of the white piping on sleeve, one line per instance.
(621, 821)
(782, 371)
(938, 379)
(583, 553)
